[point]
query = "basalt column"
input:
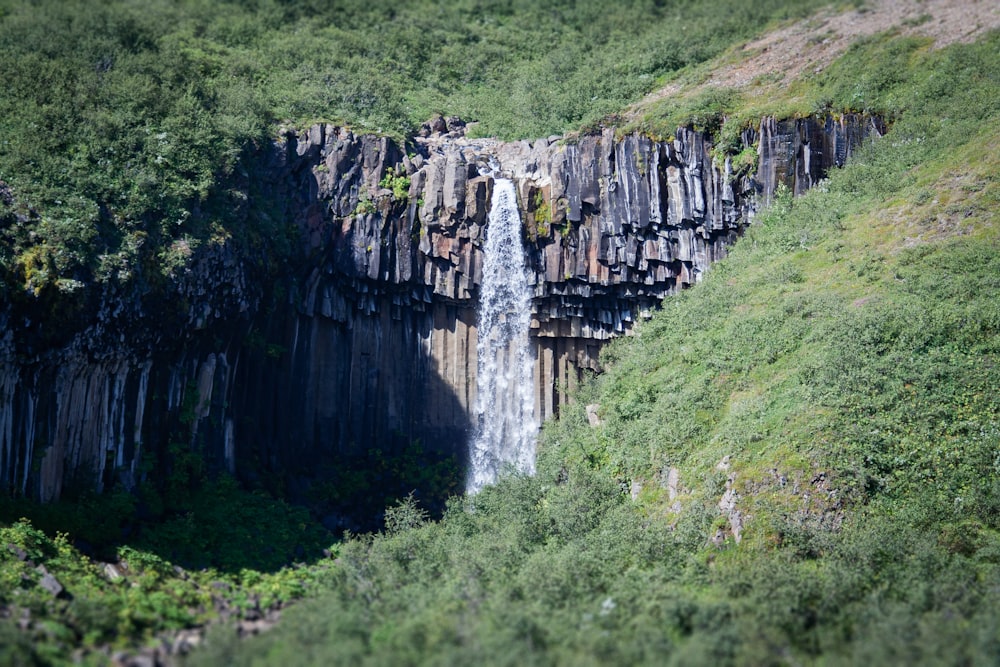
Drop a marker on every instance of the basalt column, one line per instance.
(373, 341)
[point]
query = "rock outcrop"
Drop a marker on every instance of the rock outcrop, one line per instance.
(80, 413)
(613, 225)
(374, 343)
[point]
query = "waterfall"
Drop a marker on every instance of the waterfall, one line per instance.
(506, 424)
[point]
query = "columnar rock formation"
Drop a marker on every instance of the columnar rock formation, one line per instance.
(613, 225)
(375, 344)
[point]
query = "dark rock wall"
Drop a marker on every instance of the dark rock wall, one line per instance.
(798, 153)
(375, 343)
(138, 373)
(353, 381)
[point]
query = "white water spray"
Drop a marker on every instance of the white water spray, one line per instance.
(505, 403)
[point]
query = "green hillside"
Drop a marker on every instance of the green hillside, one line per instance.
(838, 372)
(797, 461)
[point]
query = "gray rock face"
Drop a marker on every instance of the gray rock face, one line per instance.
(376, 341)
(612, 225)
(49, 583)
(87, 409)
(798, 153)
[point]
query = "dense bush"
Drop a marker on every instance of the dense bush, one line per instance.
(122, 605)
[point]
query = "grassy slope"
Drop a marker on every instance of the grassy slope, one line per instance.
(844, 358)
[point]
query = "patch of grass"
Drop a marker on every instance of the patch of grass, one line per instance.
(399, 184)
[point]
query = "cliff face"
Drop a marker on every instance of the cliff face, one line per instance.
(375, 344)
(138, 373)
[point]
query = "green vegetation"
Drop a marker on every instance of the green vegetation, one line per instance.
(542, 211)
(133, 595)
(398, 183)
(362, 485)
(123, 123)
(894, 64)
(137, 566)
(836, 372)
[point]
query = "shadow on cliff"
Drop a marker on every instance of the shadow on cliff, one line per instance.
(220, 524)
(352, 416)
(290, 498)
(326, 442)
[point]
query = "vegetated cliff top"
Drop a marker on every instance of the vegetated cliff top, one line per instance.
(127, 126)
(805, 47)
(792, 71)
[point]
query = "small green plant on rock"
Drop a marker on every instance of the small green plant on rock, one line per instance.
(399, 183)
(543, 214)
(365, 205)
(746, 160)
